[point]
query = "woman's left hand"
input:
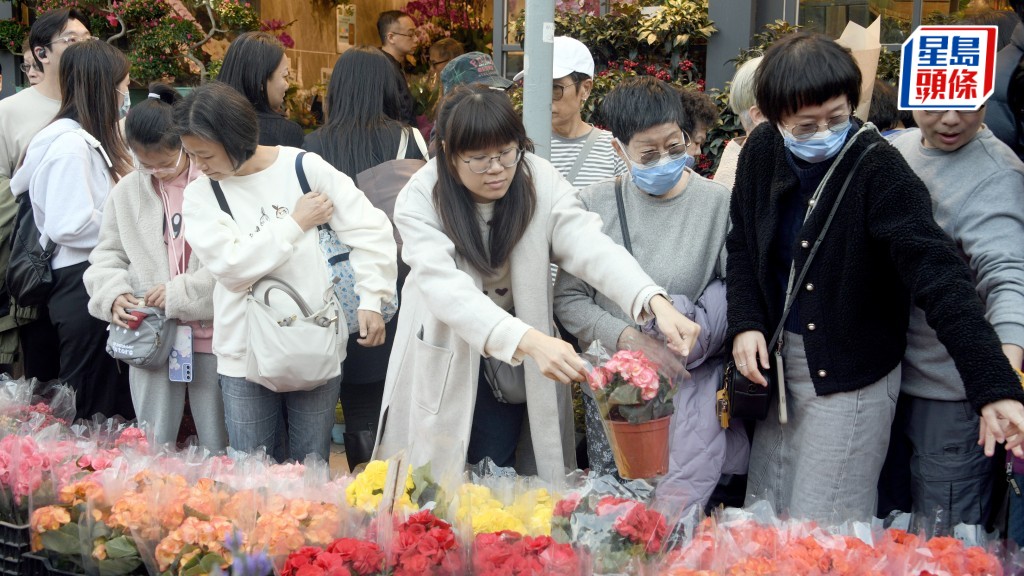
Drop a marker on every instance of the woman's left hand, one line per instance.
(371, 328)
(1002, 421)
(680, 332)
(157, 296)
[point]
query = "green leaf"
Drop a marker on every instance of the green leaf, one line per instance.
(638, 414)
(624, 395)
(64, 541)
(121, 547)
(189, 511)
(119, 566)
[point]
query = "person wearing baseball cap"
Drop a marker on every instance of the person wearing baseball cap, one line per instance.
(472, 68)
(580, 151)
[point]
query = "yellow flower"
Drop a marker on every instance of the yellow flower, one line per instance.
(495, 520)
(367, 490)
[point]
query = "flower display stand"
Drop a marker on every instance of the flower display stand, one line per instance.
(641, 450)
(13, 546)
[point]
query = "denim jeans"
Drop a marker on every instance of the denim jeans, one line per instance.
(496, 428)
(252, 413)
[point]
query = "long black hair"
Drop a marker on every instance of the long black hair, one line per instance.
(363, 106)
(249, 62)
(475, 118)
(150, 123)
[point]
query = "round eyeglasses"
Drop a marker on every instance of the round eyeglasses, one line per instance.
(806, 130)
(159, 171)
(507, 159)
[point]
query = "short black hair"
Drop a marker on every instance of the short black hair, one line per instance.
(698, 110)
(801, 70)
(249, 62)
(217, 112)
(50, 24)
(884, 112)
(150, 123)
(387, 20)
(638, 104)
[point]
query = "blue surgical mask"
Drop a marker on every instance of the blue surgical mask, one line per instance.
(125, 105)
(818, 148)
(690, 161)
(657, 180)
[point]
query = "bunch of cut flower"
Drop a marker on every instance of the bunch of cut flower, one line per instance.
(76, 532)
(613, 532)
(512, 554)
(491, 503)
(752, 541)
(366, 492)
(28, 406)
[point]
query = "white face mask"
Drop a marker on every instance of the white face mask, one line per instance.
(125, 105)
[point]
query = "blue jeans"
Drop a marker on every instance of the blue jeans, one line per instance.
(252, 413)
(496, 428)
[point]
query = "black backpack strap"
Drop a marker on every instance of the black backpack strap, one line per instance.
(219, 193)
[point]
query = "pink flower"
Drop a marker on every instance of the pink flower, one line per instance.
(599, 378)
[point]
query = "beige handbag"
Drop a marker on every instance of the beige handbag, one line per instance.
(288, 352)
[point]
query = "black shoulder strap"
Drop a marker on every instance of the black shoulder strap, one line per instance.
(304, 183)
(219, 193)
(817, 243)
(301, 173)
(622, 215)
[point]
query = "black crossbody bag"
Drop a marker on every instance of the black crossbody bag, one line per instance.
(749, 400)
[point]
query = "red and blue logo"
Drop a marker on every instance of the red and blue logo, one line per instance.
(947, 68)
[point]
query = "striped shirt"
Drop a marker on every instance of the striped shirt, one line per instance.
(601, 163)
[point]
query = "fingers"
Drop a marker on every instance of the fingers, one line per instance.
(762, 352)
(992, 431)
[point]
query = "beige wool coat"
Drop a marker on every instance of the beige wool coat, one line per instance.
(446, 321)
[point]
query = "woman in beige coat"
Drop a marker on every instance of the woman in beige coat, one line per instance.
(480, 225)
(142, 259)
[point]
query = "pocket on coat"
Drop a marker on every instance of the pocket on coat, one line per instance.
(426, 368)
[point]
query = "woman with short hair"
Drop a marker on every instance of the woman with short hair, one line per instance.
(263, 225)
(846, 333)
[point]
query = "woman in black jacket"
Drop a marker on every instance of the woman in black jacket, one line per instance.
(846, 332)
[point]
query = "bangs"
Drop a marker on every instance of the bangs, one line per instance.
(479, 122)
(804, 70)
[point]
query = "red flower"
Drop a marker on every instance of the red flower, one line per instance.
(612, 505)
(364, 558)
(642, 526)
(566, 506)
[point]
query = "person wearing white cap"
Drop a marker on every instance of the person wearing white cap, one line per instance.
(580, 151)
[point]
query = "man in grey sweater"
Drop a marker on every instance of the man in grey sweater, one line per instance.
(977, 188)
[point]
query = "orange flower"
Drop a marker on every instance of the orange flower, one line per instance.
(81, 492)
(49, 518)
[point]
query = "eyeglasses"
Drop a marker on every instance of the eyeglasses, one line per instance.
(158, 171)
(440, 62)
(558, 90)
(507, 159)
(70, 39)
(655, 157)
(409, 35)
(805, 130)
(26, 67)
(960, 112)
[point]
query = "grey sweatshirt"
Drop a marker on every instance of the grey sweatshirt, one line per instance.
(679, 242)
(978, 199)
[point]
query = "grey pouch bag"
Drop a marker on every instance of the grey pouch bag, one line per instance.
(148, 345)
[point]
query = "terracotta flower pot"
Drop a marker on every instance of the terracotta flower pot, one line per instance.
(641, 450)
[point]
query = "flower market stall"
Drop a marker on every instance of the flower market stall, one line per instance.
(97, 498)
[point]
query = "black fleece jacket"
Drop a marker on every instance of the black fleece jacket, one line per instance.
(882, 247)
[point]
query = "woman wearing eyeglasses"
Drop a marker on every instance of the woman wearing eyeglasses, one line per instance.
(674, 222)
(480, 223)
(846, 332)
(142, 260)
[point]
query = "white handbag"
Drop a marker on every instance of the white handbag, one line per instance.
(288, 352)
